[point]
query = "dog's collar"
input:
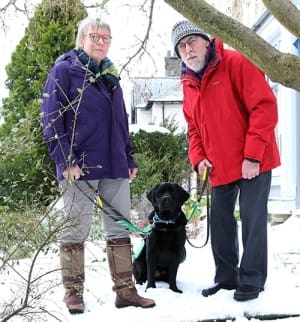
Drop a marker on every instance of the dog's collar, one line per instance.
(156, 219)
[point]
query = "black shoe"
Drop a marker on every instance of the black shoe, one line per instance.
(247, 292)
(217, 287)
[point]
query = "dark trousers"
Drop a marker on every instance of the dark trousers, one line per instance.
(253, 198)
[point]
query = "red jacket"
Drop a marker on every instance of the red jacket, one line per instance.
(231, 113)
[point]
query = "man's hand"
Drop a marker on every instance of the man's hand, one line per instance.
(250, 169)
(202, 165)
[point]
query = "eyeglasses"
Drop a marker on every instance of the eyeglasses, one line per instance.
(96, 38)
(192, 41)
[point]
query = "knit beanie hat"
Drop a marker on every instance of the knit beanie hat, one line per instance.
(185, 28)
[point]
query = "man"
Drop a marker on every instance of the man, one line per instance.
(231, 113)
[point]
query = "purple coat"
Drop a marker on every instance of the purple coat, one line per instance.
(84, 123)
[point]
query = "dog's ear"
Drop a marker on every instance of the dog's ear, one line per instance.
(184, 195)
(150, 195)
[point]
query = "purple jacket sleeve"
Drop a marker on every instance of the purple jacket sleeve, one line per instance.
(55, 104)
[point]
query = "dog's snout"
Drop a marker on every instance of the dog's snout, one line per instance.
(165, 201)
(165, 198)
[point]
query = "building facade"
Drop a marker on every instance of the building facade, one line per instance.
(285, 194)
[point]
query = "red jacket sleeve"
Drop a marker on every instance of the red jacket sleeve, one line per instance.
(259, 101)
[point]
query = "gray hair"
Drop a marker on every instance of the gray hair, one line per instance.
(85, 24)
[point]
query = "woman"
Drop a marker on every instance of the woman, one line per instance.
(86, 129)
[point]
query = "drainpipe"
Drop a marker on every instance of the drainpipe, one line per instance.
(133, 109)
(297, 45)
(297, 99)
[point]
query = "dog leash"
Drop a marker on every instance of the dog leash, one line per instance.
(127, 224)
(119, 218)
(204, 186)
(122, 220)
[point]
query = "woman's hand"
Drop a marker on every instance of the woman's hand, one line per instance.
(72, 173)
(132, 173)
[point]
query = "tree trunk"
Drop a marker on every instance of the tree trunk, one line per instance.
(281, 67)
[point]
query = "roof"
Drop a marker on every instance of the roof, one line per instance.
(160, 89)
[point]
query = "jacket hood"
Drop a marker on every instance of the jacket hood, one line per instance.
(68, 56)
(219, 46)
(106, 71)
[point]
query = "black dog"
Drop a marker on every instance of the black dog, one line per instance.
(164, 245)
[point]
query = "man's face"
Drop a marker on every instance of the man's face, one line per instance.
(192, 50)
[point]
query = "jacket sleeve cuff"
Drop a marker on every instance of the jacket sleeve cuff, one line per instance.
(252, 160)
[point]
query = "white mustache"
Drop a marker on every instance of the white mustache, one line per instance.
(190, 55)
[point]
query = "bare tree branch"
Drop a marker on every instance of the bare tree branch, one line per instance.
(14, 7)
(281, 67)
(143, 45)
(286, 13)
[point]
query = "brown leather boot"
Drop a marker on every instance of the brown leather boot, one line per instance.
(72, 264)
(120, 264)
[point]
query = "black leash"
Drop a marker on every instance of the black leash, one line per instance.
(204, 187)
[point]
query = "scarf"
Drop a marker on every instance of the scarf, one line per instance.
(106, 71)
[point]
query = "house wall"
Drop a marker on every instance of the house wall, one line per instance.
(284, 195)
(163, 111)
(144, 116)
(154, 100)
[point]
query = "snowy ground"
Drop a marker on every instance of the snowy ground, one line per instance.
(281, 295)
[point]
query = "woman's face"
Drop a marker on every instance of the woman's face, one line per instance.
(96, 43)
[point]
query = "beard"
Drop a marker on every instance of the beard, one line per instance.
(199, 59)
(197, 66)
(196, 69)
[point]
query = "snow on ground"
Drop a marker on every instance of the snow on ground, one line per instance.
(281, 295)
